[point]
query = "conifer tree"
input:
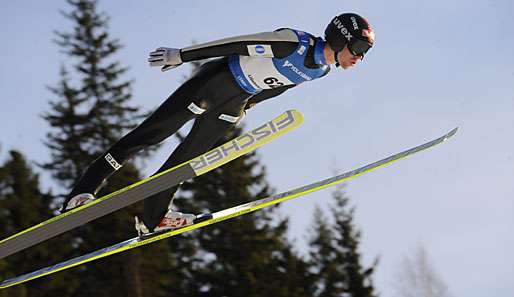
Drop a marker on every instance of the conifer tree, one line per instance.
(335, 256)
(93, 110)
(324, 268)
(23, 204)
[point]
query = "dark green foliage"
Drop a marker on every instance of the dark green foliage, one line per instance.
(323, 257)
(335, 257)
(23, 204)
(90, 113)
(92, 108)
(358, 278)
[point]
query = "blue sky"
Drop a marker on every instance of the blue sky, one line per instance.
(435, 65)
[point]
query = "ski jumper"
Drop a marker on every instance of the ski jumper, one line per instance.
(252, 68)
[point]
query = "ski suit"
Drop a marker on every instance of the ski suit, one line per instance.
(252, 68)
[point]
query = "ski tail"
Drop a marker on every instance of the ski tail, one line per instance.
(225, 214)
(243, 144)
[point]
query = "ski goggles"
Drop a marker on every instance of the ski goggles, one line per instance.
(358, 47)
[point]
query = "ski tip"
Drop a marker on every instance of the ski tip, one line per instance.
(298, 116)
(451, 133)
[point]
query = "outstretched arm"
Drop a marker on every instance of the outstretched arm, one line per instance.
(267, 44)
(279, 44)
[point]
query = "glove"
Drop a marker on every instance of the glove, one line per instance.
(166, 57)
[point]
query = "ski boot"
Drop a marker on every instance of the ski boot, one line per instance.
(78, 200)
(172, 220)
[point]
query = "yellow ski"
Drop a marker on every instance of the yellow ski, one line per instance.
(222, 215)
(235, 148)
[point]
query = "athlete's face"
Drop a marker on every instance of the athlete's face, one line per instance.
(346, 59)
